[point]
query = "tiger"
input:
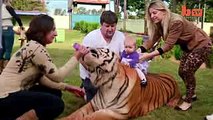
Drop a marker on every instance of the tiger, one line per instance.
(120, 95)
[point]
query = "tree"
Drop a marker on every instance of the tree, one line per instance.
(28, 5)
(145, 22)
(137, 6)
(125, 14)
(1, 24)
(175, 6)
(209, 11)
(117, 4)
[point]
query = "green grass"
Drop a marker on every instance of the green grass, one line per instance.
(61, 52)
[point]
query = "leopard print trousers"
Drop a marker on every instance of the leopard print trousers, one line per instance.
(189, 64)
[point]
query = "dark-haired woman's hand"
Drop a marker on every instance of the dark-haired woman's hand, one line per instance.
(81, 51)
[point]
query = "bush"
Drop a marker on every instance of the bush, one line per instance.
(77, 26)
(92, 26)
(166, 55)
(209, 62)
(139, 42)
(177, 52)
(85, 27)
(211, 36)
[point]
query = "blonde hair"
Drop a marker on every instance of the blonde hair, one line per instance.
(130, 39)
(152, 27)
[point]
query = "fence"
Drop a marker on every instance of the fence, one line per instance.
(137, 25)
(133, 25)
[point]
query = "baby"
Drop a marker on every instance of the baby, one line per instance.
(130, 57)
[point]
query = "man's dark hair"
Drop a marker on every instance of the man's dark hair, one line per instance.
(108, 17)
(39, 27)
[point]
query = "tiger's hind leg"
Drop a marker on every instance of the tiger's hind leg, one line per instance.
(174, 91)
(105, 114)
(173, 101)
(86, 110)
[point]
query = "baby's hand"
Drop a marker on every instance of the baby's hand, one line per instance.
(125, 63)
(138, 50)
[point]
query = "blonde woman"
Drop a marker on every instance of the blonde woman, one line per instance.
(175, 29)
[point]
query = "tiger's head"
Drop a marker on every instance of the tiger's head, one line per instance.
(101, 64)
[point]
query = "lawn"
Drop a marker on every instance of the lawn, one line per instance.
(61, 52)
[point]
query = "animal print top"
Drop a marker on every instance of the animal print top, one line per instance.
(28, 67)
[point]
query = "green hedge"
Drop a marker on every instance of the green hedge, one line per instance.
(177, 52)
(167, 55)
(209, 62)
(86, 27)
(139, 42)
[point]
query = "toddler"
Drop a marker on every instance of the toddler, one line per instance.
(130, 57)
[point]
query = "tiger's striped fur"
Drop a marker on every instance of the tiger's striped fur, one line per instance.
(120, 95)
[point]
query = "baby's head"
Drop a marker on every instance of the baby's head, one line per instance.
(129, 44)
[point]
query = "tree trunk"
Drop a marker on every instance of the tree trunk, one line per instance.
(0, 24)
(116, 5)
(125, 15)
(174, 4)
(145, 22)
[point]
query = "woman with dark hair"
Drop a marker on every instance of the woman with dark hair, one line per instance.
(30, 85)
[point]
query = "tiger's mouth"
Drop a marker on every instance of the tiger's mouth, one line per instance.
(86, 62)
(83, 62)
